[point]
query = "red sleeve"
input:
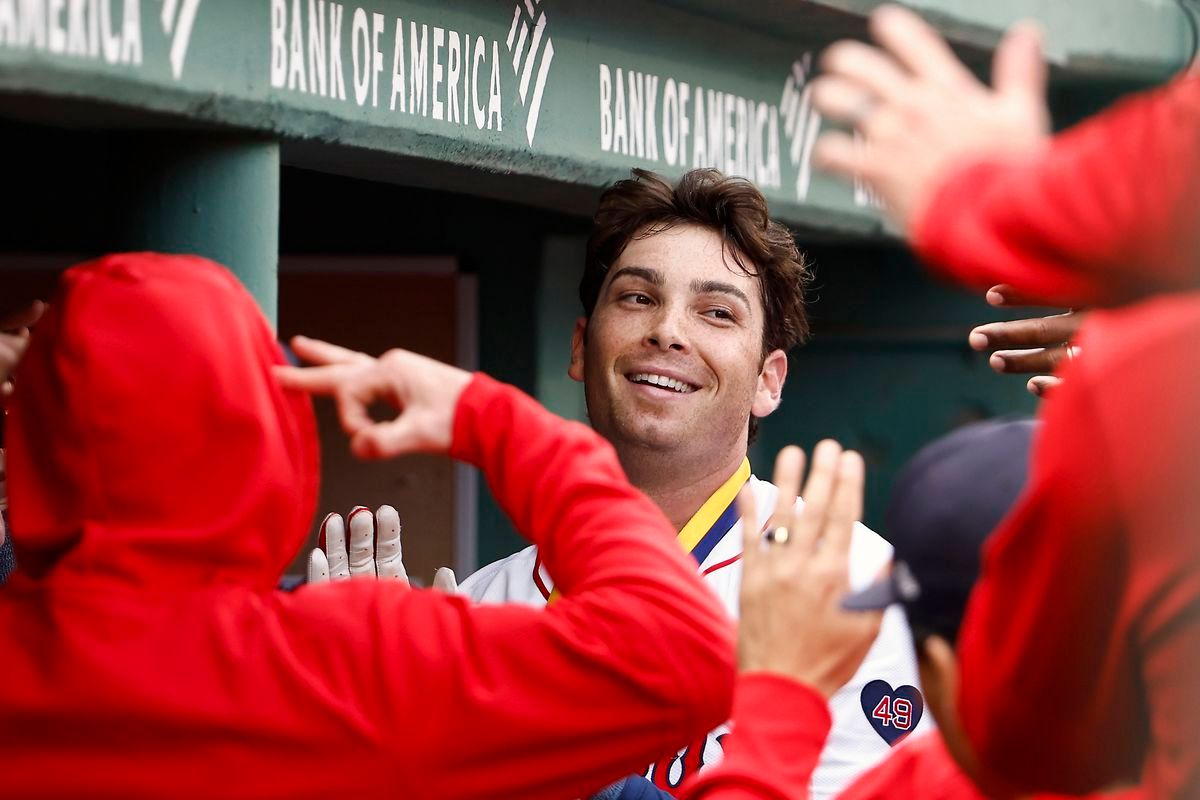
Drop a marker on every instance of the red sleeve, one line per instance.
(779, 729)
(1105, 214)
(1048, 693)
(457, 700)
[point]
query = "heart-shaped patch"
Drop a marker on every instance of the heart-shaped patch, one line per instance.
(893, 713)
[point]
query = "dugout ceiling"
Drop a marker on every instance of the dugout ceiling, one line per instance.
(537, 101)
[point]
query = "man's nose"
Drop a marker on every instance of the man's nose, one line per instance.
(668, 331)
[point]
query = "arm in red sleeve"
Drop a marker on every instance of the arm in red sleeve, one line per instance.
(779, 729)
(1104, 215)
(512, 701)
(1048, 693)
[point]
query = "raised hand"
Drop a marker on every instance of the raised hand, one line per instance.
(796, 575)
(1036, 345)
(423, 391)
(919, 111)
(373, 549)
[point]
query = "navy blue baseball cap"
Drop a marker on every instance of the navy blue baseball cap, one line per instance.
(945, 503)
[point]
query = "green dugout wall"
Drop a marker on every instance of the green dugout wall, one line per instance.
(483, 130)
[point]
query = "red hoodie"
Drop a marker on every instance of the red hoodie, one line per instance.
(1080, 647)
(160, 480)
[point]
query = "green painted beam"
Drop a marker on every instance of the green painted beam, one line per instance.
(214, 196)
(543, 101)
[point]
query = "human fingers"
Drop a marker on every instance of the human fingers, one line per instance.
(24, 318)
(818, 493)
(314, 380)
(316, 351)
(318, 566)
(1023, 333)
(1035, 360)
(389, 556)
(869, 67)
(1043, 385)
(1006, 296)
(388, 439)
(444, 580)
(1019, 69)
(361, 548)
(789, 469)
(839, 153)
(845, 509)
(918, 47)
(841, 98)
(333, 541)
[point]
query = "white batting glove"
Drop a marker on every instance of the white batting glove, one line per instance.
(373, 550)
(444, 580)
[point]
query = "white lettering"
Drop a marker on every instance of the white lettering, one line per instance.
(651, 124)
(606, 120)
(278, 43)
(636, 117)
(77, 42)
(620, 127)
(670, 121)
(31, 28)
(131, 33)
(8, 22)
(296, 77)
(58, 35)
(684, 125)
(494, 97)
(700, 139)
(773, 167)
(317, 76)
(716, 130)
(439, 41)
(398, 68)
(111, 42)
(337, 76)
(418, 68)
(453, 69)
(360, 40)
(378, 24)
(475, 107)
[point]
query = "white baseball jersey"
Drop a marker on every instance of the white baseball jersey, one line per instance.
(880, 704)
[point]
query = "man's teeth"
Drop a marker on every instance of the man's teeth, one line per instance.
(663, 381)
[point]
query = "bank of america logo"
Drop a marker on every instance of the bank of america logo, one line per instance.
(177, 20)
(801, 122)
(532, 52)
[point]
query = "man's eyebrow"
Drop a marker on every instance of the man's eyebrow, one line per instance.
(652, 276)
(720, 287)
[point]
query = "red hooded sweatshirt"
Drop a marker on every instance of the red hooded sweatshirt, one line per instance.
(160, 479)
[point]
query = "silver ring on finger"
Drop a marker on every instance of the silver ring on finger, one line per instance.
(777, 535)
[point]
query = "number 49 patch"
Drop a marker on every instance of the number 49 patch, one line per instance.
(893, 713)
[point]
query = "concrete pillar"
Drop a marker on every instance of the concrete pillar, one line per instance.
(213, 196)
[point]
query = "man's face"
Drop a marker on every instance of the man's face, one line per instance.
(671, 358)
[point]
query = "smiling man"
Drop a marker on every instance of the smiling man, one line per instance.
(692, 297)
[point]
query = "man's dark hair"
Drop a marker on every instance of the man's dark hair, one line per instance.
(647, 204)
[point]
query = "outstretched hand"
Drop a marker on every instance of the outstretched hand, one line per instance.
(796, 575)
(920, 111)
(1037, 345)
(423, 391)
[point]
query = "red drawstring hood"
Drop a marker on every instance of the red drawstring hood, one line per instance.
(139, 451)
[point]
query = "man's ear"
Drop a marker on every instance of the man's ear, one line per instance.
(575, 368)
(770, 384)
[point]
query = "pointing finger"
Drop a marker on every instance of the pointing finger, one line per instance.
(316, 351)
(389, 559)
